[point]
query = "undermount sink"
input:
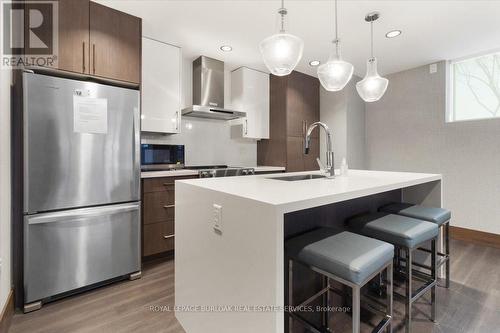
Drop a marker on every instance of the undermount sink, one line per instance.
(298, 177)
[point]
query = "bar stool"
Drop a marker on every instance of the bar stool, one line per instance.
(440, 216)
(346, 257)
(407, 234)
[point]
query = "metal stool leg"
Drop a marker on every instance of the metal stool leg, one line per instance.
(389, 279)
(409, 287)
(326, 303)
(290, 294)
(447, 251)
(397, 257)
(356, 309)
(434, 277)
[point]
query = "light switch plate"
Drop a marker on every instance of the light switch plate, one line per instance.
(433, 68)
(217, 218)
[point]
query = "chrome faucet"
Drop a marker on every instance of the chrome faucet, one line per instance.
(329, 168)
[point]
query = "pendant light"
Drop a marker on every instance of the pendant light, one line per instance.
(335, 73)
(281, 52)
(373, 86)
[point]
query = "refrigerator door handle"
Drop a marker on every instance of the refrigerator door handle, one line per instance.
(82, 213)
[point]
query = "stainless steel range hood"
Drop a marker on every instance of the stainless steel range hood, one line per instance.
(208, 91)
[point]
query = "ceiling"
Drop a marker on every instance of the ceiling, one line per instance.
(433, 30)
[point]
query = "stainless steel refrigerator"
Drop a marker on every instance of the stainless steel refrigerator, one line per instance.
(81, 185)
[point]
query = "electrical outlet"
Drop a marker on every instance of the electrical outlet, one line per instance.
(217, 221)
(433, 68)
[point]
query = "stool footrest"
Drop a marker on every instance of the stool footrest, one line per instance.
(440, 262)
(422, 290)
(382, 324)
(313, 297)
(416, 274)
(440, 254)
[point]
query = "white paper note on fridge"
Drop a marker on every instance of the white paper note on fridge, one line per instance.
(90, 115)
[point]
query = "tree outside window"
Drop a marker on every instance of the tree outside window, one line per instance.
(475, 88)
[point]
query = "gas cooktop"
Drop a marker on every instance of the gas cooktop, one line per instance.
(176, 167)
(206, 167)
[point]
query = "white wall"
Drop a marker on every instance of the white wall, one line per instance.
(344, 113)
(5, 194)
(406, 131)
(207, 141)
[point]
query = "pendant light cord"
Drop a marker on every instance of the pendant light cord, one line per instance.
(371, 28)
(336, 26)
(282, 12)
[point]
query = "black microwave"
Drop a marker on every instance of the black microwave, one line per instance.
(161, 157)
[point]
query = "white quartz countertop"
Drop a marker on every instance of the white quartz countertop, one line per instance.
(189, 172)
(315, 192)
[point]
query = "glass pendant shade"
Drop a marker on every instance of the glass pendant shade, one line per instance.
(373, 86)
(335, 73)
(281, 52)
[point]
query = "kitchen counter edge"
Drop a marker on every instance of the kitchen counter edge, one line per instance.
(189, 172)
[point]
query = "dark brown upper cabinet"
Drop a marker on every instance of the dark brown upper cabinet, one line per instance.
(97, 40)
(115, 44)
(72, 32)
(74, 36)
(294, 105)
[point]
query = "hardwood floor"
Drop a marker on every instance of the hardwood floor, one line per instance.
(120, 307)
(472, 304)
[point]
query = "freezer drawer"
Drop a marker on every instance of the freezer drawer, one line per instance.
(76, 248)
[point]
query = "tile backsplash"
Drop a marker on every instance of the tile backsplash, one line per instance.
(208, 142)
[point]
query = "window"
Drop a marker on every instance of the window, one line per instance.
(474, 88)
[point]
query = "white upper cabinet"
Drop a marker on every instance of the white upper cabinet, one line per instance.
(250, 94)
(161, 87)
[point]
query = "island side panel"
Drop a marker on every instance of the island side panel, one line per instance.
(242, 266)
(426, 194)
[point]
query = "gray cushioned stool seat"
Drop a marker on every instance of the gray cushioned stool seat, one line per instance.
(394, 229)
(344, 254)
(431, 214)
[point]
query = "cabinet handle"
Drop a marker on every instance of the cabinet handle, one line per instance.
(168, 184)
(93, 57)
(246, 126)
(83, 57)
(177, 120)
(169, 236)
(168, 206)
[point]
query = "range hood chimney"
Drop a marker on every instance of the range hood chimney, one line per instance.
(208, 91)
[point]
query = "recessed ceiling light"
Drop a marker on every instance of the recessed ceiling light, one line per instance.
(226, 48)
(393, 33)
(314, 63)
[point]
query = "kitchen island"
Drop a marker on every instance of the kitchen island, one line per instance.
(230, 233)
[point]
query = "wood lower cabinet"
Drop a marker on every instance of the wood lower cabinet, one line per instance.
(158, 238)
(158, 215)
(158, 207)
(294, 105)
(115, 44)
